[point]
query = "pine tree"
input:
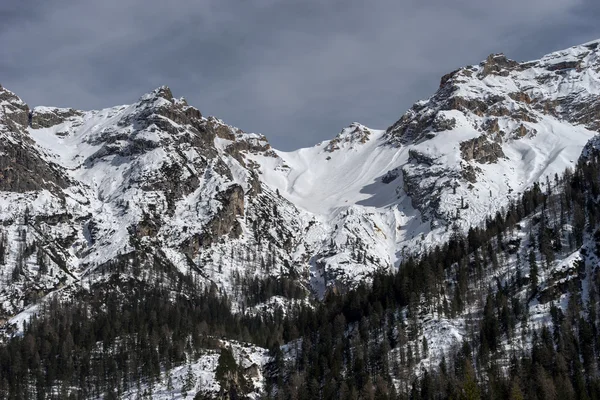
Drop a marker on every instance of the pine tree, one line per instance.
(515, 392)
(533, 272)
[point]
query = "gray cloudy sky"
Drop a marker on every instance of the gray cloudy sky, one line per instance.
(297, 71)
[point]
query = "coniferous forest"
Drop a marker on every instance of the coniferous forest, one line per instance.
(363, 343)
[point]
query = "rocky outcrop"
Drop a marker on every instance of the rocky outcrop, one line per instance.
(520, 97)
(424, 180)
(469, 172)
(442, 123)
(220, 129)
(22, 167)
(168, 114)
(162, 112)
(13, 111)
(175, 180)
(497, 64)
(163, 92)
(504, 100)
(355, 133)
(523, 131)
(420, 158)
(591, 149)
(408, 129)
(564, 65)
(481, 150)
(491, 126)
(476, 106)
(223, 223)
(254, 184)
(44, 117)
(147, 227)
(390, 176)
(577, 109)
(584, 112)
(251, 145)
(448, 77)
(421, 120)
(120, 144)
(562, 281)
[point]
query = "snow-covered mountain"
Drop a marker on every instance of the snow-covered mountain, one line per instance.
(158, 179)
(488, 133)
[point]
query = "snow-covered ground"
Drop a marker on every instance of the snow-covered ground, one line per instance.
(198, 376)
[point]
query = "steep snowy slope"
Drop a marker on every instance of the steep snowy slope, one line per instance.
(349, 184)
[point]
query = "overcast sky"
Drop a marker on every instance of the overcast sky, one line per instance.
(297, 71)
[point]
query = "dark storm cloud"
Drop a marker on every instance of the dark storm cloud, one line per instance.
(297, 71)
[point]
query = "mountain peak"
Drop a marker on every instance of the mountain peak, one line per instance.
(353, 133)
(497, 64)
(163, 92)
(12, 108)
(162, 95)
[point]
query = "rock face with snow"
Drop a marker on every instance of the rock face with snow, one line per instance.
(22, 167)
(498, 127)
(81, 188)
(46, 117)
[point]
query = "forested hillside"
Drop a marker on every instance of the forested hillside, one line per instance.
(525, 285)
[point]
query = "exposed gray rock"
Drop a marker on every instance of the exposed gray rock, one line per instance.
(390, 176)
(482, 150)
(562, 282)
(224, 223)
(469, 172)
(424, 180)
(441, 123)
(520, 97)
(247, 145)
(420, 158)
(497, 64)
(591, 149)
(164, 92)
(448, 77)
(147, 227)
(22, 167)
(585, 112)
(13, 110)
(523, 131)
(255, 186)
(355, 133)
(491, 126)
(564, 65)
(46, 118)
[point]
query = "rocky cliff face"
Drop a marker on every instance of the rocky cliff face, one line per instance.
(492, 113)
(46, 117)
(22, 167)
